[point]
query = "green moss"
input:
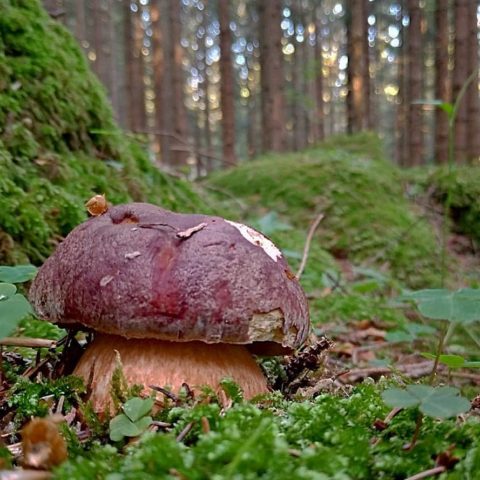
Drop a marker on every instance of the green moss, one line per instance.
(367, 219)
(59, 144)
(462, 184)
(327, 437)
(25, 397)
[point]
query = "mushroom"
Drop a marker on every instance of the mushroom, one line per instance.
(181, 298)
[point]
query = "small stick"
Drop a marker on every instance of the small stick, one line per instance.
(60, 403)
(427, 473)
(25, 474)
(306, 248)
(165, 392)
(28, 342)
(184, 432)
(161, 424)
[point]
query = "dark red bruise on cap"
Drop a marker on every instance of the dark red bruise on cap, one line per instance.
(140, 271)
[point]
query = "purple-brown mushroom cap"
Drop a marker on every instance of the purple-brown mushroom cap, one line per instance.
(140, 271)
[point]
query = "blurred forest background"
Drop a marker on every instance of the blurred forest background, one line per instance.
(212, 82)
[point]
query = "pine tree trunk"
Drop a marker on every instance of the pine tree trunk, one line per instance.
(319, 107)
(415, 82)
(367, 81)
(442, 87)
(103, 45)
(460, 75)
(401, 112)
(207, 133)
(180, 132)
(226, 85)
(160, 82)
(472, 94)
(272, 80)
(357, 113)
(135, 87)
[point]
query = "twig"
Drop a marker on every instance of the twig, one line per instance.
(161, 424)
(392, 414)
(413, 370)
(181, 436)
(28, 342)
(165, 392)
(22, 474)
(15, 449)
(427, 473)
(308, 241)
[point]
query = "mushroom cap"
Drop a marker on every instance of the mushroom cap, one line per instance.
(140, 271)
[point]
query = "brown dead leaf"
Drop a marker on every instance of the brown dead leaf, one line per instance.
(43, 445)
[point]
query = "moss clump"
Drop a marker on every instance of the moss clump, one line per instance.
(367, 218)
(59, 144)
(462, 184)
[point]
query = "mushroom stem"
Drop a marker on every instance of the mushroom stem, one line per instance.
(158, 362)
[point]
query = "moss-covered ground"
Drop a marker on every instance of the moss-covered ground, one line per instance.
(59, 146)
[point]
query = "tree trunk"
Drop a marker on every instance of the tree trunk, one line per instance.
(103, 65)
(460, 75)
(401, 111)
(367, 81)
(135, 86)
(272, 80)
(207, 133)
(319, 110)
(442, 87)
(226, 85)
(415, 81)
(472, 100)
(175, 63)
(357, 112)
(160, 80)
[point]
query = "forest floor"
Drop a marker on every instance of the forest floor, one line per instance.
(383, 240)
(380, 236)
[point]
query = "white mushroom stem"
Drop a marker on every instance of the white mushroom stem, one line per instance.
(167, 364)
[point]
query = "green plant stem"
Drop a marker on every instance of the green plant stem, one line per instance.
(473, 336)
(445, 335)
(416, 433)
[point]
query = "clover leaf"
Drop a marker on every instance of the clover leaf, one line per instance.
(134, 421)
(442, 402)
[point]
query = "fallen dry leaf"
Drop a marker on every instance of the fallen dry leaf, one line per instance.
(43, 445)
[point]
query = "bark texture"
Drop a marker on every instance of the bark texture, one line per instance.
(414, 124)
(442, 84)
(473, 102)
(174, 62)
(460, 75)
(358, 85)
(272, 79)
(135, 86)
(227, 85)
